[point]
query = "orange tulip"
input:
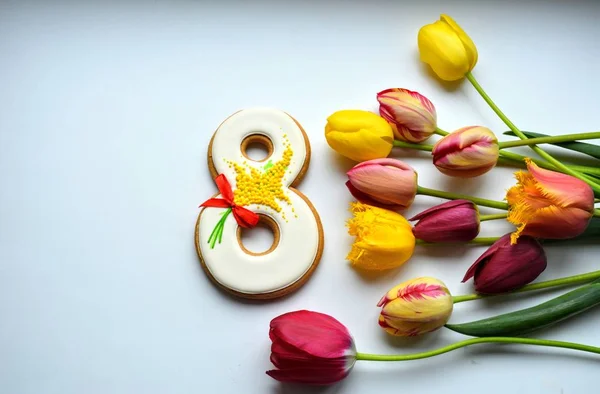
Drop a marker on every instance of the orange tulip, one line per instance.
(548, 204)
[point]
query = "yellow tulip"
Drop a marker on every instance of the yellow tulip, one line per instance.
(384, 239)
(447, 49)
(359, 135)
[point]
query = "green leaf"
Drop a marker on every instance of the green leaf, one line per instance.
(582, 147)
(530, 319)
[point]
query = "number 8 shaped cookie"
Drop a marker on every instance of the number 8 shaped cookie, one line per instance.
(259, 193)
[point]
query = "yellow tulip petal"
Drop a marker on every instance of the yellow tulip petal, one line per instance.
(469, 45)
(384, 239)
(442, 49)
(359, 135)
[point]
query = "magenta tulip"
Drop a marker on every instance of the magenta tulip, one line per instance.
(505, 267)
(452, 221)
(310, 347)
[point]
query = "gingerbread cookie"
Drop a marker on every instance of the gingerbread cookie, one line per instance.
(259, 193)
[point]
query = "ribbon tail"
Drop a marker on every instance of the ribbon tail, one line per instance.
(215, 203)
(244, 217)
(224, 188)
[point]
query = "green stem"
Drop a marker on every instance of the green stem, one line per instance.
(483, 218)
(408, 145)
(522, 136)
(441, 132)
(566, 281)
(597, 213)
(506, 157)
(546, 165)
(217, 233)
(549, 140)
(474, 341)
(453, 196)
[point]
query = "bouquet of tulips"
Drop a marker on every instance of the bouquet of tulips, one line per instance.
(552, 201)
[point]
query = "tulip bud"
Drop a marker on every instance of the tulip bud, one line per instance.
(452, 221)
(359, 135)
(447, 49)
(548, 204)
(467, 152)
(389, 183)
(505, 267)
(411, 115)
(310, 347)
(384, 239)
(415, 307)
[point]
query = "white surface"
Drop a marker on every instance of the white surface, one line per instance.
(106, 111)
(227, 262)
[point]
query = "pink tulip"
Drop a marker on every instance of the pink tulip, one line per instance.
(411, 115)
(452, 221)
(467, 152)
(387, 183)
(505, 267)
(310, 347)
(548, 204)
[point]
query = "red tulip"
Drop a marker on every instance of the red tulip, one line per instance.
(310, 347)
(505, 267)
(452, 221)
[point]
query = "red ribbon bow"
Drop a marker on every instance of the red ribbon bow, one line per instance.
(244, 217)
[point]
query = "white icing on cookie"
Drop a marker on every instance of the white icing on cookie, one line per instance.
(299, 232)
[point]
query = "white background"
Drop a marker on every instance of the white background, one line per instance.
(106, 111)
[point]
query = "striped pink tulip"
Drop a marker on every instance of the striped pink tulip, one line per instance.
(415, 307)
(467, 152)
(310, 347)
(386, 183)
(411, 115)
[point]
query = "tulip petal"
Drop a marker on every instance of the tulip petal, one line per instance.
(515, 266)
(547, 204)
(315, 333)
(489, 252)
(366, 199)
(557, 223)
(563, 190)
(441, 207)
(384, 239)
(386, 184)
(442, 49)
(467, 152)
(359, 135)
(469, 45)
(411, 115)
(314, 375)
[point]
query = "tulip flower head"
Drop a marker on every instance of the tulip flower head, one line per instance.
(447, 49)
(411, 115)
(415, 307)
(384, 239)
(505, 267)
(452, 221)
(388, 183)
(548, 204)
(310, 347)
(359, 135)
(467, 152)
